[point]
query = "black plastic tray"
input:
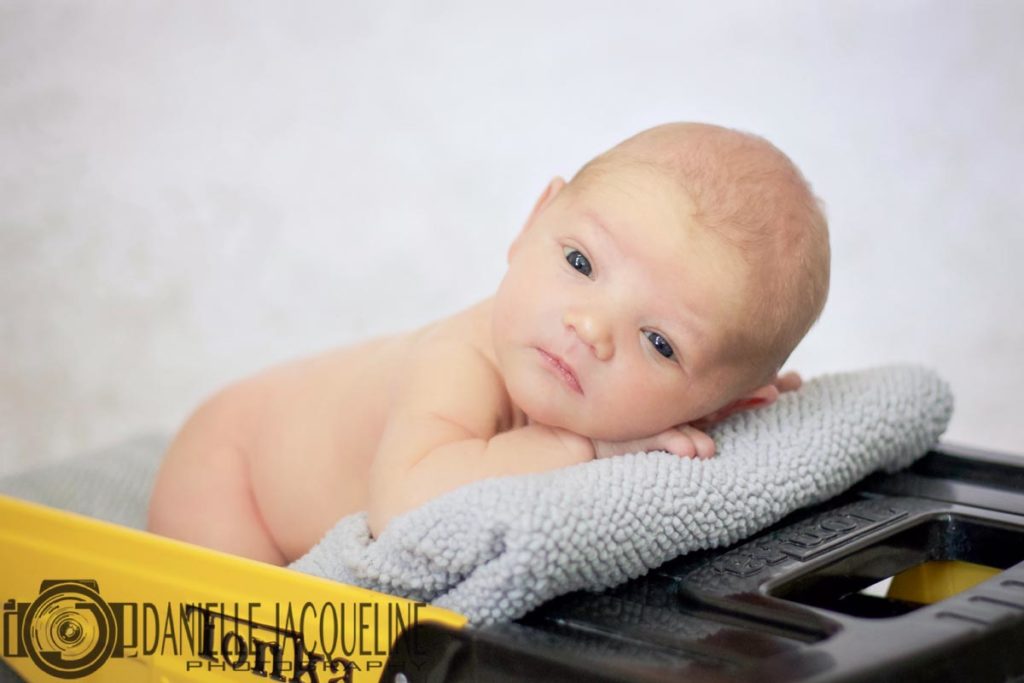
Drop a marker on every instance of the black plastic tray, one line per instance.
(786, 605)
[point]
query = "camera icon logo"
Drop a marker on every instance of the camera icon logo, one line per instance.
(69, 631)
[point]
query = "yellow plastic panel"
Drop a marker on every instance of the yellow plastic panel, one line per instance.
(83, 594)
(931, 582)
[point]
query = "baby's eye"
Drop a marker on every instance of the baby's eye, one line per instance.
(660, 344)
(577, 260)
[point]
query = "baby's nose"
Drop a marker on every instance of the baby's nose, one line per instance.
(593, 331)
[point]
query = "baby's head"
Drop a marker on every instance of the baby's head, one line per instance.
(667, 282)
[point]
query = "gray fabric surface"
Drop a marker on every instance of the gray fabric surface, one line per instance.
(113, 484)
(495, 549)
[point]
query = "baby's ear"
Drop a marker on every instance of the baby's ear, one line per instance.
(549, 193)
(758, 398)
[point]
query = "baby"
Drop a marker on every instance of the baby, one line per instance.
(658, 292)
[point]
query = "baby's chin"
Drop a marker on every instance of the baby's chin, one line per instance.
(542, 406)
(599, 428)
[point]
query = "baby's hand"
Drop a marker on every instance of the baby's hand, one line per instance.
(690, 440)
(791, 381)
(685, 441)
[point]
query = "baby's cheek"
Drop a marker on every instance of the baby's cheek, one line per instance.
(652, 415)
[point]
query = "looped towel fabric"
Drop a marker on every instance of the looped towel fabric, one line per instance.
(497, 548)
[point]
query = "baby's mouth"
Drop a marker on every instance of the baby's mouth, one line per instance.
(563, 369)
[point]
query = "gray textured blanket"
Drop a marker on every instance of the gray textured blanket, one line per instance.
(495, 549)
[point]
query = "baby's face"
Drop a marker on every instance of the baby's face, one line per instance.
(614, 313)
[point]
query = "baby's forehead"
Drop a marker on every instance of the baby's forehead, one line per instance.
(629, 187)
(615, 170)
(672, 256)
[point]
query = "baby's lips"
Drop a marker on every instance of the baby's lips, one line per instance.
(566, 370)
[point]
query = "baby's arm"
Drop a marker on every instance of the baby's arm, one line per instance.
(685, 441)
(449, 427)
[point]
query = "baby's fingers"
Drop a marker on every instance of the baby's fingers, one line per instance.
(675, 442)
(703, 445)
(791, 381)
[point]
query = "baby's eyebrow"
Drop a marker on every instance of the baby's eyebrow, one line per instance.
(599, 223)
(692, 336)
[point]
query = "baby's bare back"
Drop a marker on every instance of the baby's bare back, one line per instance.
(316, 428)
(270, 463)
(266, 466)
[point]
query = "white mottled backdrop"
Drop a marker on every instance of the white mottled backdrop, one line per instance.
(191, 191)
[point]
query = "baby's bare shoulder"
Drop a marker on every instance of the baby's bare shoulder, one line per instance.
(452, 378)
